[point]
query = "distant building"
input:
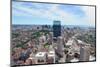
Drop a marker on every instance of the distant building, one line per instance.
(56, 28)
(37, 27)
(46, 27)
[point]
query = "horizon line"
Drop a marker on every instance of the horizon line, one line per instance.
(61, 24)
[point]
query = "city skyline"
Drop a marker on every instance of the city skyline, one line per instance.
(43, 13)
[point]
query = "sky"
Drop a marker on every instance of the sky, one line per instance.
(44, 13)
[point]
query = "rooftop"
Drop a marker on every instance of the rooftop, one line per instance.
(40, 54)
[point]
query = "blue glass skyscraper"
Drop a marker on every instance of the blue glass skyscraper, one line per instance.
(56, 29)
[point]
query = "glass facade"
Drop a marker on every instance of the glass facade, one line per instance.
(56, 28)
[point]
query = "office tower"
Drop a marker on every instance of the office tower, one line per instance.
(84, 53)
(56, 28)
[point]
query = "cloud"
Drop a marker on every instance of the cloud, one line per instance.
(90, 14)
(54, 12)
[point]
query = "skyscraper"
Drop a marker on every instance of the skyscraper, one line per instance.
(56, 29)
(84, 53)
(57, 38)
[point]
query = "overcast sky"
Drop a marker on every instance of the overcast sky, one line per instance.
(43, 13)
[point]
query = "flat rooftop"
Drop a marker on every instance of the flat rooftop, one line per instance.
(40, 54)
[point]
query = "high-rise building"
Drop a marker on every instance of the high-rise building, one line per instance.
(84, 53)
(56, 28)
